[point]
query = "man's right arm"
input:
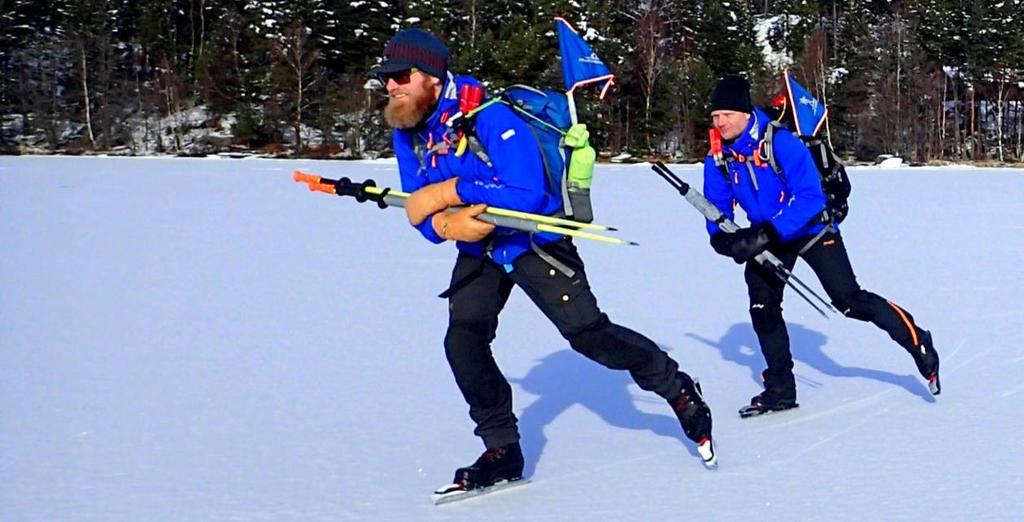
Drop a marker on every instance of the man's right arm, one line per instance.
(408, 169)
(742, 244)
(718, 191)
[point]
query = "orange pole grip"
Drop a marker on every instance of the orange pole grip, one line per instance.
(303, 177)
(322, 187)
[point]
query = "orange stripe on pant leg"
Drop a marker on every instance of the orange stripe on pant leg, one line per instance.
(906, 321)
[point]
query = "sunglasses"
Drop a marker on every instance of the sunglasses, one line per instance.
(400, 77)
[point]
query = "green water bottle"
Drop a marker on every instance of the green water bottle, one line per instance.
(580, 172)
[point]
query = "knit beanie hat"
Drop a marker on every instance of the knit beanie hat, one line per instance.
(414, 48)
(732, 94)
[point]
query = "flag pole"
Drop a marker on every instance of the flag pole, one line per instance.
(572, 106)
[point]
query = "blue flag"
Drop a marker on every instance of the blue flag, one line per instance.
(809, 114)
(580, 64)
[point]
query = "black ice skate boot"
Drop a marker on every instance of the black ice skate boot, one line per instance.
(495, 465)
(927, 361)
(695, 417)
(768, 401)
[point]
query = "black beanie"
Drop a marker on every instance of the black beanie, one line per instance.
(414, 48)
(732, 94)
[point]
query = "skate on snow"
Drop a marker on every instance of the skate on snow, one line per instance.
(497, 469)
(767, 402)
(927, 361)
(695, 417)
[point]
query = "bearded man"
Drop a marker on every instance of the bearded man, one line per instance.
(448, 190)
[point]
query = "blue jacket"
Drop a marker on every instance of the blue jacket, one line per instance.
(788, 201)
(516, 181)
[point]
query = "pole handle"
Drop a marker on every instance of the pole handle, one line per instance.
(305, 177)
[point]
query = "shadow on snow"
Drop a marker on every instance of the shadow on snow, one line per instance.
(566, 378)
(739, 345)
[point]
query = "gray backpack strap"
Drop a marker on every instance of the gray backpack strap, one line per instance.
(753, 173)
(821, 150)
(549, 259)
(723, 167)
(421, 152)
(817, 237)
(478, 149)
(769, 147)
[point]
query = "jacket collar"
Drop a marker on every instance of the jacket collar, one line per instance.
(449, 95)
(751, 135)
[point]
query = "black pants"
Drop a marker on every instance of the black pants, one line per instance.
(477, 294)
(830, 262)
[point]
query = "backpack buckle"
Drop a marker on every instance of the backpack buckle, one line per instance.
(761, 155)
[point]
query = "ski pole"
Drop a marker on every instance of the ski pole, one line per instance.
(766, 259)
(372, 189)
(780, 271)
(711, 212)
(786, 275)
(385, 197)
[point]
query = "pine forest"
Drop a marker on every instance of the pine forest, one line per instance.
(926, 80)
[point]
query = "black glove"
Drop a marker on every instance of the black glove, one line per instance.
(745, 243)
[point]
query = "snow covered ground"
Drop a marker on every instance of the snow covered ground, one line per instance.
(207, 340)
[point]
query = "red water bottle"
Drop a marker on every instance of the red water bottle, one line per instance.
(470, 97)
(715, 138)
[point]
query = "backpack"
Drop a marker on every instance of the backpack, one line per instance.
(799, 111)
(546, 112)
(831, 172)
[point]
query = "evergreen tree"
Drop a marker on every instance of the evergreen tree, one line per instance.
(514, 45)
(725, 37)
(364, 27)
(849, 106)
(943, 30)
(24, 26)
(999, 61)
(794, 23)
(15, 33)
(35, 68)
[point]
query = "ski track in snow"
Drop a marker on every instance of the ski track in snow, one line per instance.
(1013, 391)
(943, 371)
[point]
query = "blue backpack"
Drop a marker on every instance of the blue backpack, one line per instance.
(547, 114)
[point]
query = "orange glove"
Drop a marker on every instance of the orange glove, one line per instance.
(431, 199)
(462, 225)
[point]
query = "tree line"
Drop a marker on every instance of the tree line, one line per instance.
(924, 79)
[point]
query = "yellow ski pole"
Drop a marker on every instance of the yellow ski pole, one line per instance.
(494, 215)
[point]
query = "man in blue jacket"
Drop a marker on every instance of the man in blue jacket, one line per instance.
(423, 95)
(786, 215)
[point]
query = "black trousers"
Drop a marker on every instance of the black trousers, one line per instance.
(831, 264)
(479, 291)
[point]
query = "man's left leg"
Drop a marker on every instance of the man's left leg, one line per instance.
(830, 262)
(569, 303)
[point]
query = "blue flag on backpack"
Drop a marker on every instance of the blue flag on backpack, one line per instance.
(809, 113)
(580, 64)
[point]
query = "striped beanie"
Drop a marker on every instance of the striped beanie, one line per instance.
(414, 48)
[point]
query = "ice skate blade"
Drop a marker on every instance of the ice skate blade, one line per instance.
(750, 411)
(454, 492)
(706, 450)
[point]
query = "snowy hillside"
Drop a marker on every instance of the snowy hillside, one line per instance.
(207, 340)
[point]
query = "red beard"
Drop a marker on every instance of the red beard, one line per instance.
(410, 112)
